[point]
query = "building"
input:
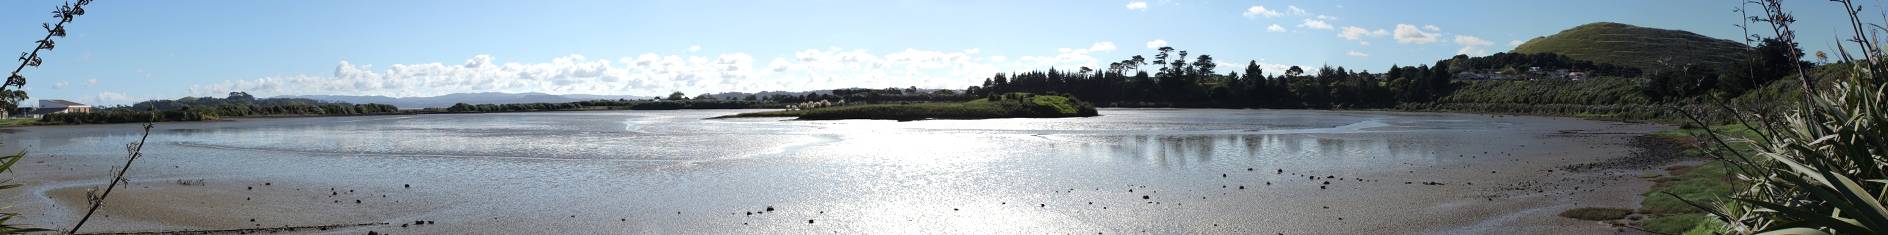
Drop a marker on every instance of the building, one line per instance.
(56, 106)
(63, 106)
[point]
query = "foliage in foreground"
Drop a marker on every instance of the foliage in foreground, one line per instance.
(1821, 168)
(6, 165)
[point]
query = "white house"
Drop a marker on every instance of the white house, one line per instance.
(56, 106)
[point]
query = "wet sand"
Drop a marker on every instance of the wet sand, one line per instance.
(1473, 182)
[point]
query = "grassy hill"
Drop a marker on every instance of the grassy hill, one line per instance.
(1641, 47)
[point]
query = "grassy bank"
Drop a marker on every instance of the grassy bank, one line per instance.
(18, 122)
(1008, 106)
(1707, 183)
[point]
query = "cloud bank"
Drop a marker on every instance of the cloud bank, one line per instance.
(650, 73)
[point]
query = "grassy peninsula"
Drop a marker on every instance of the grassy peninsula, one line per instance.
(1014, 105)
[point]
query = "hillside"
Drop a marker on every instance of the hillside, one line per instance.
(1634, 46)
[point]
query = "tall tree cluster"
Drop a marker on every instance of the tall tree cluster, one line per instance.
(1174, 78)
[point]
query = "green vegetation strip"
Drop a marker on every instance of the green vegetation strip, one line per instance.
(1007, 106)
(1708, 183)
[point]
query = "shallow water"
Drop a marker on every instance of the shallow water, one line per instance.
(675, 172)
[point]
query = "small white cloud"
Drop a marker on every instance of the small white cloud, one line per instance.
(694, 48)
(1316, 24)
(1432, 27)
(60, 85)
(1471, 51)
(110, 98)
(1102, 47)
(1261, 11)
(1326, 17)
(1355, 33)
(91, 82)
(1275, 28)
(1294, 10)
(1472, 45)
(1137, 5)
(1354, 53)
(1410, 34)
(999, 59)
(1514, 43)
(1156, 43)
(1466, 40)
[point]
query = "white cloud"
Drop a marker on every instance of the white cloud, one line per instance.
(1431, 27)
(1260, 11)
(1315, 24)
(1514, 42)
(1294, 10)
(1102, 47)
(1355, 33)
(1356, 54)
(1471, 51)
(1466, 40)
(1137, 5)
(1409, 34)
(91, 82)
(1270, 68)
(1275, 28)
(60, 85)
(1472, 45)
(1325, 17)
(653, 74)
(109, 98)
(1156, 43)
(694, 48)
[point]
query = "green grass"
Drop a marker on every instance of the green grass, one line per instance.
(1628, 45)
(1019, 106)
(1708, 184)
(1597, 213)
(18, 122)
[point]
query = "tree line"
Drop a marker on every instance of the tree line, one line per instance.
(1170, 79)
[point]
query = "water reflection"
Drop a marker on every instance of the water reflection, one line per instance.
(1192, 150)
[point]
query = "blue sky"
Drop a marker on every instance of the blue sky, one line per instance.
(125, 51)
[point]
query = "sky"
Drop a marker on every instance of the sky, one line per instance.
(127, 51)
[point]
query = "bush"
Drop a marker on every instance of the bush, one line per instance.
(125, 117)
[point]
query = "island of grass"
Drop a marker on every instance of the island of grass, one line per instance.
(1014, 105)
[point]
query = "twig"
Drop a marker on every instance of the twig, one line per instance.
(100, 201)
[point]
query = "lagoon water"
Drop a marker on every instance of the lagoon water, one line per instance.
(669, 172)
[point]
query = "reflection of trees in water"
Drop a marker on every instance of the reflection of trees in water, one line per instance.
(1185, 150)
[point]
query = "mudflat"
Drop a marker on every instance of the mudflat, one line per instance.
(666, 172)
